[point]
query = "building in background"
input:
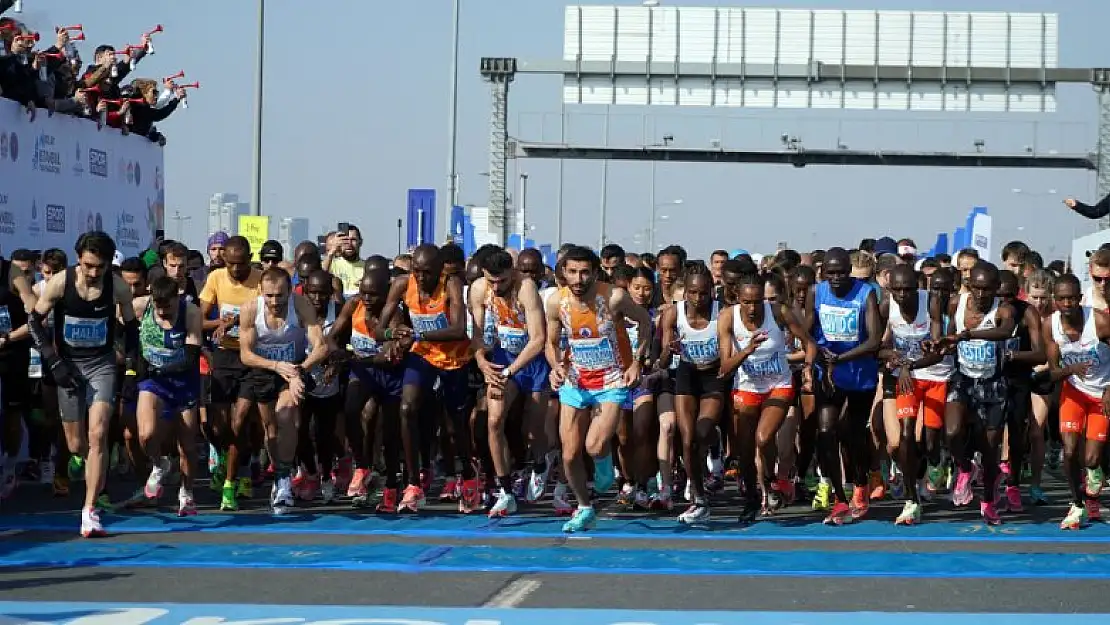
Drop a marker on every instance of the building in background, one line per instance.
(224, 210)
(291, 232)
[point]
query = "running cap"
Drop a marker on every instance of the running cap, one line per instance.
(271, 251)
(218, 238)
(737, 252)
(885, 245)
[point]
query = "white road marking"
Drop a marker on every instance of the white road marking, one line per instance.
(514, 594)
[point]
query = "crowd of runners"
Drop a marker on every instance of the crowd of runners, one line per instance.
(507, 384)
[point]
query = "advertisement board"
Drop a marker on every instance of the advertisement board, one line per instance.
(61, 177)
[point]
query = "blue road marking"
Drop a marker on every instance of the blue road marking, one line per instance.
(532, 527)
(202, 614)
(416, 558)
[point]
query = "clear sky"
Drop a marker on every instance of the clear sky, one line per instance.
(357, 98)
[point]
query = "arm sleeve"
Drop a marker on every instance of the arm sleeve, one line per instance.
(1098, 211)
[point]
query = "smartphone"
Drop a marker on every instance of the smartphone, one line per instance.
(159, 234)
(322, 240)
(343, 228)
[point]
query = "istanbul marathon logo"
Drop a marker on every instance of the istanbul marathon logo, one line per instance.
(46, 157)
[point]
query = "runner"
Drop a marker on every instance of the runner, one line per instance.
(848, 332)
(510, 355)
(82, 359)
(278, 330)
(916, 377)
(323, 404)
(373, 391)
(755, 338)
(226, 290)
(1075, 340)
(170, 335)
(597, 370)
(44, 394)
(16, 298)
(1038, 289)
(440, 352)
(976, 412)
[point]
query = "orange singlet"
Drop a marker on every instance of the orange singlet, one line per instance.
(599, 349)
(433, 314)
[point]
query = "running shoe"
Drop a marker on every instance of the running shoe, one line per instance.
(327, 491)
(840, 514)
(897, 483)
(228, 501)
(90, 524)
(537, 483)
(281, 496)
(876, 485)
(662, 501)
(641, 500)
(603, 474)
(696, 514)
(934, 478)
(310, 488)
(360, 484)
(561, 501)
(185, 504)
(76, 469)
(388, 504)
(103, 502)
(624, 496)
(452, 488)
(46, 472)
(785, 490)
(1094, 482)
(153, 488)
(923, 492)
(961, 494)
(1037, 496)
(822, 496)
(584, 519)
(860, 504)
(989, 514)
(911, 514)
(343, 474)
(218, 471)
(413, 499)
(1076, 518)
(1013, 499)
(1094, 514)
(504, 506)
(246, 488)
(471, 499)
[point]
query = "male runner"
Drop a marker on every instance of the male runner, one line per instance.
(82, 358)
(510, 358)
(441, 351)
(847, 328)
(373, 391)
(981, 324)
(597, 370)
(170, 336)
(16, 298)
(323, 404)
(226, 290)
(281, 340)
(1075, 339)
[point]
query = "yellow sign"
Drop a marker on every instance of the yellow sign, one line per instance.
(256, 230)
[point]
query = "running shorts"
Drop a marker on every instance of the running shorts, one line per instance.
(533, 378)
(380, 382)
(96, 383)
(261, 386)
(689, 380)
(1082, 414)
(454, 384)
(581, 399)
(177, 392)
(985, 398)
(750, 399)
(227, 375)
(927, 399)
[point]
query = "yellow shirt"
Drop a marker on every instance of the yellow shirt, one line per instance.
(348, 272)
(228, 297)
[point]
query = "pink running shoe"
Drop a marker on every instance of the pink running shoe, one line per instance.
(1013, 499)
(989, 514)
(961, 494)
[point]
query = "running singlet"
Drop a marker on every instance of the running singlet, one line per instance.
(227, 297)
(840, 325)
(84, 329)
(163, 350)
(282, 344)
(12, 313)
(633, 330)
(908, 337)
(1087, 350)
(431, 315)
(599, 348)
(699, 347)
(766, 368)
(363, 343)
(321, 389)
(978, 359)
(506, 324)
(1019, 342)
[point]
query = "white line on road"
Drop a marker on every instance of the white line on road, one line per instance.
(514, 594)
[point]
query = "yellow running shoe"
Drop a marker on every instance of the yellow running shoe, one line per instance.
(821, 499)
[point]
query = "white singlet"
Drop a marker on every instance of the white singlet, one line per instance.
(767, 368)
(699, 347)
(1088, 349)
(908, 338)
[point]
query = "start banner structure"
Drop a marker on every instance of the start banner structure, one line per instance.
(61, 177)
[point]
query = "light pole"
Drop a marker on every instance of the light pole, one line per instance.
(256, 207)
(453, 134)
(523, 210)
(655, 218)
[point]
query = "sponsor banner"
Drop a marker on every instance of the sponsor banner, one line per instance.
(256, 229)
(61, 177)
(981, 235)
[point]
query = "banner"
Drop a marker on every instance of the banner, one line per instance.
(256, 230)
(61, 177)
(421, 217)
(980, 236)
(1081, 250)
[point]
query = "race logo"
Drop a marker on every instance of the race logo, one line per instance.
(55, 218)
(46, 157)
(127, 231)
(98, 163)
(7, 222)
(78, 168)
(34, 227)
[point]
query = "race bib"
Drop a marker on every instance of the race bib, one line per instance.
(766, 368)
(280, 352)
(701, 353)
(908, 347)
(977, 356)
(512, 340)
(84, 333)
(429, 323)
(5, 320)
(229, 310)
(364, 346)
(164, 358)
(593, 353)
(35, 369)
(840, 325)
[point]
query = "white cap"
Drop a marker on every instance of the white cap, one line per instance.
(117, 258)
(757, 258)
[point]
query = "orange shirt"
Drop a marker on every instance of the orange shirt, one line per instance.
(600, 351)
(363, 343)
(433, 314)
(507, 322)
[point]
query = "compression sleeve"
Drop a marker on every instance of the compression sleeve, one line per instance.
(41, 337)
(131, 342)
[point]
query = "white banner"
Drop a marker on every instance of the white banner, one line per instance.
(60, 177)
(981, 236)
(1081, 248)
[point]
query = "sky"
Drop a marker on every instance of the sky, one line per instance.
(357, 109)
